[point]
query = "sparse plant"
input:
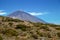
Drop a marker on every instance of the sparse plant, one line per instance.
(22, 27)
(40, 34)
(49, 36)
(58, 34)
(45, 27)
(10, 23)
(34, 36)
(10, 32)
(1, 37)
(57, 28)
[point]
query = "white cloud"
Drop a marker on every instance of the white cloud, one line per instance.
(37, 13)
(2, 12)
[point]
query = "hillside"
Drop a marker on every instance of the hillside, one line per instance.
(15, 29)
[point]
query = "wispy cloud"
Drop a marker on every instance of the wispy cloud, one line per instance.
(37, 13)
(2, 12)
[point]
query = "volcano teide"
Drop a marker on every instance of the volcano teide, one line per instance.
(25, 16)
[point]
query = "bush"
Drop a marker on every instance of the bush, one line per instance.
(52, 25)
(58, 34)
(1, 38)
(40, 34)
(49, 36)
(10, 23)
(34, 36)
(57, 28)
(22, 27)
(45, 27)
(7, 19)
(10, 32)
(17, 20)
(37, 24)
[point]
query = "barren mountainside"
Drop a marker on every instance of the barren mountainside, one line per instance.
(15, 29)
(25, 16)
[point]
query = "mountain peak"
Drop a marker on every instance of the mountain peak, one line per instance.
(25, 16)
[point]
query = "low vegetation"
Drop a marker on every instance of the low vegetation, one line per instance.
(15, 29)
(1, 37)
(22, 27)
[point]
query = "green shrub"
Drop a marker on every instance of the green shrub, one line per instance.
(22, 27)
(34, 36)
(37, 24)
(10, 32)
(57, 28)
(11, 19)
(10, 23)
(17, 20)
(52, 25)
(49, 36)
(40, 34)
(45, 27)
(1, 38)
(58, 34)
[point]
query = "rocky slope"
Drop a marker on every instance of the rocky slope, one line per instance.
(14, 29)
(25, 16)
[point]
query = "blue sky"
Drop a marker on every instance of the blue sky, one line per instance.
(48, 10)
